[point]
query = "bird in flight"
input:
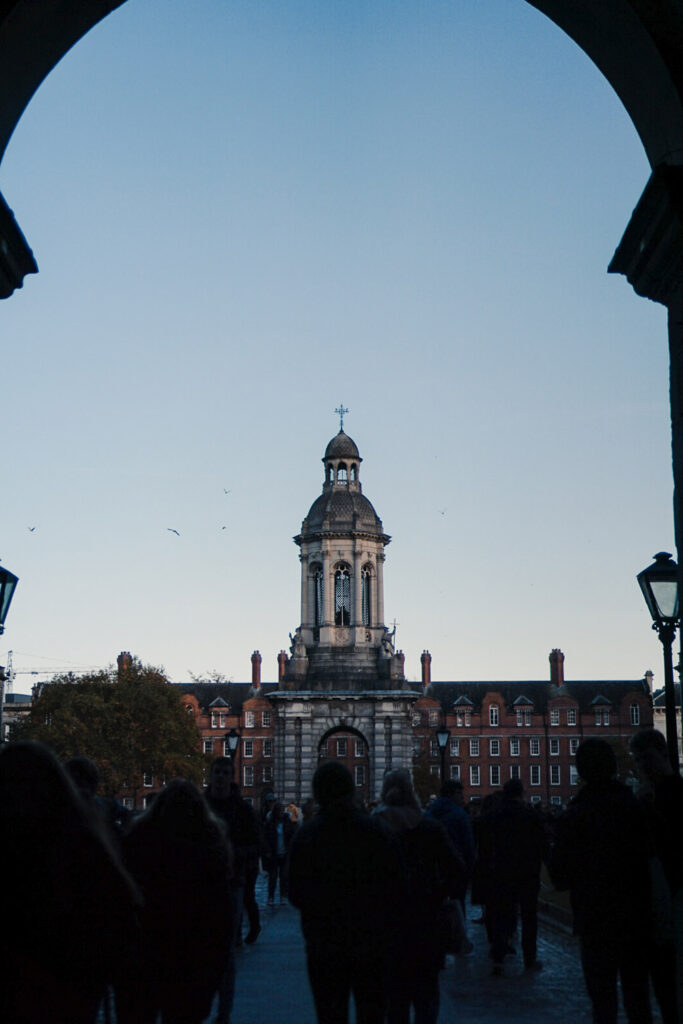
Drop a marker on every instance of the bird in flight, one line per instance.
(225, 492)
(30, 529)
(223, 527)
(171, 530)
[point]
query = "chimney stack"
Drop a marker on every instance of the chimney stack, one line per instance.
(124, 662)
(281, 665)
(557, 667)
(426, 660)
(256, 670)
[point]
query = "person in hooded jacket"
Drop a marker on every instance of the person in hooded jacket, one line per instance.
(435, 871)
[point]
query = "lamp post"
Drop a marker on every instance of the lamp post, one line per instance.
(659, 584)
(442, 737)
(232, 741)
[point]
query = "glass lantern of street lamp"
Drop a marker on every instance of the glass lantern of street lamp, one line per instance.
(659, 584)
(442, 737)
(232, 739)
(8, 582)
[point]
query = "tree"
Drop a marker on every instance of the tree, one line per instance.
(129, 722)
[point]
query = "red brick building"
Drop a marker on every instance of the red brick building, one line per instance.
(526, 730)
(498, 730)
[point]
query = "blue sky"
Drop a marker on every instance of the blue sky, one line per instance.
(246, 213)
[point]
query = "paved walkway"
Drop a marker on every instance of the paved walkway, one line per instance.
(272, 985)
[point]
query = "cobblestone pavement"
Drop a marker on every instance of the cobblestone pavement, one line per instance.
(470, 994)
(272, 985)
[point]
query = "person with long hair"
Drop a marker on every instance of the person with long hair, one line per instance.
(178, 855)
(435, 871)
(69, 908)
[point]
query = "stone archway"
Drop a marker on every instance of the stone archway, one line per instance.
(348, 746)
(637, 46)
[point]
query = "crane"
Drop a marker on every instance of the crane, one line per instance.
(11, 672)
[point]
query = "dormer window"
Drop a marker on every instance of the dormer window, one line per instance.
(342, 477)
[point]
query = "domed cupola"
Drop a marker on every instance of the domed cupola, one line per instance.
(342, 641)
(342, 505)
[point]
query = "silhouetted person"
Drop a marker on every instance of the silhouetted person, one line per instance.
(278, 834)
(346, 879)
(225, 800)
(434, 872)
(512, 846)
(660, 790)
(178, 855)
(251, 870)
(68, 905)
(448, 809)
(601, 855)
(85, 776)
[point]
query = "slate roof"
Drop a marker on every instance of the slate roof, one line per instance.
(342, 447)
(539, 693)
(234, 694)
(341, 510)
(469, 695)
(658, 697)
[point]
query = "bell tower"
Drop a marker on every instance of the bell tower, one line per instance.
(342, 642)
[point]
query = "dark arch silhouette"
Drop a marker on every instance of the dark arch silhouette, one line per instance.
(636, 44)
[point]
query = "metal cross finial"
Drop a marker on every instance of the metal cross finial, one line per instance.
(341, 412)
(393, 632)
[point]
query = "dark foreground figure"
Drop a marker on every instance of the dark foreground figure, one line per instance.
(435, 871)
(346, 879)
(602, 855)
(179, 857)
(225, 800)
(512, 847)
(69, 909)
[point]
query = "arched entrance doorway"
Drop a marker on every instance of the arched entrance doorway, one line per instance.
(349, 747)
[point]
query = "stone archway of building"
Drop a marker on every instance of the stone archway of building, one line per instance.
(636, 45)
(348, 746)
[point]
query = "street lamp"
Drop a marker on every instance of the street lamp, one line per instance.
(442, 737)
(232, 742)
(659, 584)
(8, 582)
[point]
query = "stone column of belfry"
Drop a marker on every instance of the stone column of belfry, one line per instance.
(357, 588)
(380, 588)
(304, 590)
(328, 589)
